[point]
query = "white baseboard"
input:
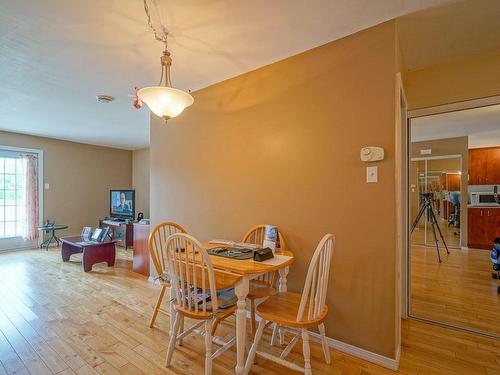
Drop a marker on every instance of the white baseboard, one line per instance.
(390, 363)
(30, 246)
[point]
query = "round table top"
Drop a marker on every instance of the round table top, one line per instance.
(53, 227)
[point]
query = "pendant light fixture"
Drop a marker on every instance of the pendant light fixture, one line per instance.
(164, 100)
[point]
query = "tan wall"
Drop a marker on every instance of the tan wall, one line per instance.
(281, 145)
(140, 180)
(471, 78)
(450, 146)
(80, 177)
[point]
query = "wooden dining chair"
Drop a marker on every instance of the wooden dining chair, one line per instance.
(298, 312)
(265, 285)
(158, 251)
(195, 291)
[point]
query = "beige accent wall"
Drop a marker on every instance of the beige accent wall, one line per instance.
(281, 145)
(474, 77)
(80, 177)
(448, 146)
(140, 180)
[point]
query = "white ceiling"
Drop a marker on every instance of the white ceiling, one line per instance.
(55, 56)
(481, 125)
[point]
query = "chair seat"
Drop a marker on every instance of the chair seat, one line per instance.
(260, 289)
(282, 308)
(204, 315)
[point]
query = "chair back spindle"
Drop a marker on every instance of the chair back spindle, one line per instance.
(158, 242)
(314, 294)
(192, 274)
(256, 236)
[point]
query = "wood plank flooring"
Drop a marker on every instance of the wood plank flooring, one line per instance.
(459, 291)
(56, 319)
(450, 234)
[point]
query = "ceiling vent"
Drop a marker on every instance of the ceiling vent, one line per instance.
(105, 98)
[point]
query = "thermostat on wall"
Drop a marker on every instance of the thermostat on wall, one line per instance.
(372, 153)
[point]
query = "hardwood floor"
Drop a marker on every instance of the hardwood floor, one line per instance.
(459, 291)
(56, 319)
(450, 234)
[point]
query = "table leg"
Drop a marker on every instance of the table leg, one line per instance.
(283, 288)
(68, 250)
(110, 260)
(97, 254)
(47, 242)
(241, 291)
(43, 244)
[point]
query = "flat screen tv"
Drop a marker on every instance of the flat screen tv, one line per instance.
(122, 204)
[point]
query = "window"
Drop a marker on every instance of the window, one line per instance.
(12, 194)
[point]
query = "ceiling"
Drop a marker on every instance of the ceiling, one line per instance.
(481, 125)
(451, 32)
(55, 56)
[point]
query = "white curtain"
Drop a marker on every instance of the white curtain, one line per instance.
(31, 217)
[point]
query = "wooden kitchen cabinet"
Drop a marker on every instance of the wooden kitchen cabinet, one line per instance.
(477, 166)
(493, 166)
(483, 226)
(484, 166)
(476, 225)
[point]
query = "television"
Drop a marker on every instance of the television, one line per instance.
(122, 204)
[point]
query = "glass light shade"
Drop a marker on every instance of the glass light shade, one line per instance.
(165, 102)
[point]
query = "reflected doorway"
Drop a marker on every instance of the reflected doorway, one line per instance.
(454, 159)
(438, 181)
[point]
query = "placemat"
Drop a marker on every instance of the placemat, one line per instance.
(231, 252)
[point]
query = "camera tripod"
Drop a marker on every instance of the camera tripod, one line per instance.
(427, 207)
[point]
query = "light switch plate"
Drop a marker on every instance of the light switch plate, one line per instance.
(46, 186)
(371, 174)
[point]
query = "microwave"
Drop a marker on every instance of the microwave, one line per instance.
(483, 199)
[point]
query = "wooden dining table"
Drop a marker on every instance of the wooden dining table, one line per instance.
(239, 273)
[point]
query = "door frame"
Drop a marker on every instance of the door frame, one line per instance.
(39, 154)
(401, 198)
(420, 112)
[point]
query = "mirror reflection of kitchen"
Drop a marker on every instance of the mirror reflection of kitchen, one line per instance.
(454, 169)
(436, 180)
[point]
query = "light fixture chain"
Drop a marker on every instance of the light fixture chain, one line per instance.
(154, 97)
(162, 38)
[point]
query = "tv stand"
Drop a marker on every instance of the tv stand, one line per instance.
(121, 232)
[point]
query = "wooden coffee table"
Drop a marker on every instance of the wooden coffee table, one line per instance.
(92, 253)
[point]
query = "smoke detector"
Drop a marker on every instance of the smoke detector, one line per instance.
(105, 98)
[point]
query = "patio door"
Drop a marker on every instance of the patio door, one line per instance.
(17, 206)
